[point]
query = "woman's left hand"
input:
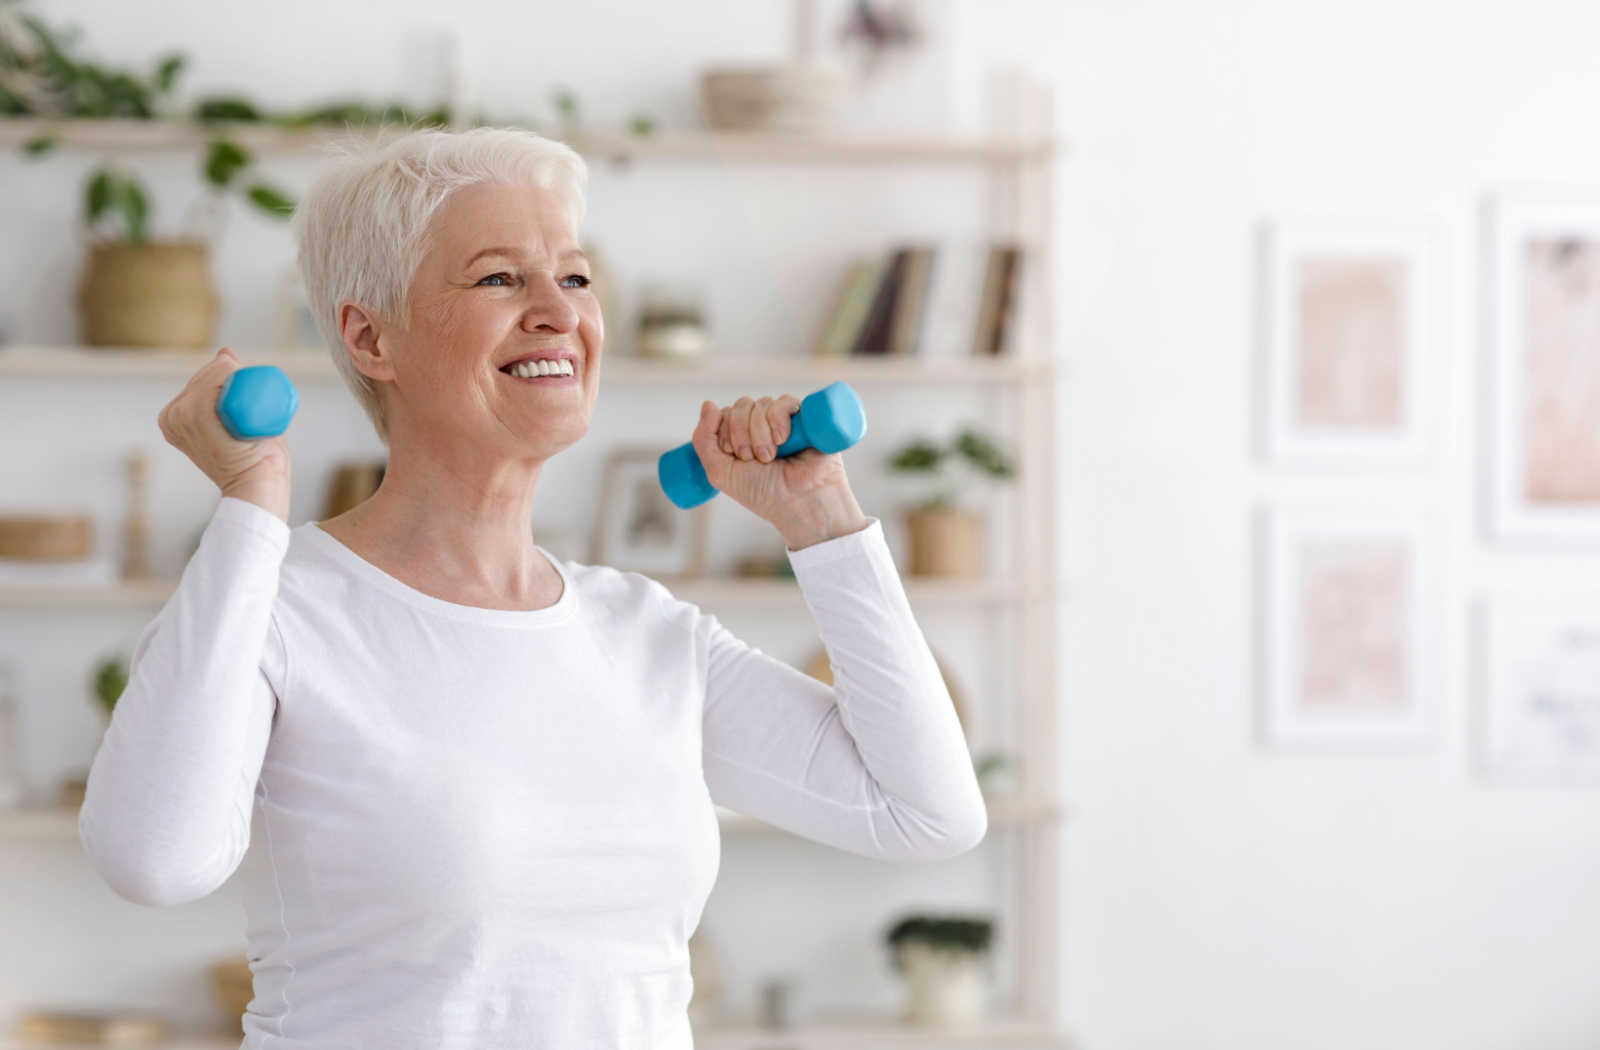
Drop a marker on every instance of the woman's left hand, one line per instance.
(737, 446)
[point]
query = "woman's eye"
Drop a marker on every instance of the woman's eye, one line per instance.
(569, 277)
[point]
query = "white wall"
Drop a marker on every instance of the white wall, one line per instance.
(1220, 895)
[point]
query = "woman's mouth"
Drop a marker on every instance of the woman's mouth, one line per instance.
(549, 380)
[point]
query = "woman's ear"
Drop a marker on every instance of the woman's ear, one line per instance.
(360, 331)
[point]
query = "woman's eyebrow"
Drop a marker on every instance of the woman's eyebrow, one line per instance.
(513, 253)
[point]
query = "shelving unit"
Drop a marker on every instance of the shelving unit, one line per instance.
(1027, 821)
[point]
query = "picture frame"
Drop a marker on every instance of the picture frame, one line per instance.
(1542, 366)
(1538, 690)
(1346, 639)
(640, 528)
(1348, 313)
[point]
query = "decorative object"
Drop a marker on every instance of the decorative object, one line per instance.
(1540, 690)
(1347, 650)
(1348, 312)
(1543, 367)
(46, 537)
(136, 525)
(137, 290)
(941, 958)
(819, 668)
(671, 321)
(639, 529)
(791, 98)
(875, 31)
(947, 540)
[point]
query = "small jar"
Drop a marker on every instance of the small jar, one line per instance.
(671, 320)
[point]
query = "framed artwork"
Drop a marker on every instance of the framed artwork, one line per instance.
(640, 529)
(1348, 312)
(1347, 652)
(1542, 389)
(1539, 688)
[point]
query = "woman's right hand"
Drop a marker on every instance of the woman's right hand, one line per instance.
(257, 471)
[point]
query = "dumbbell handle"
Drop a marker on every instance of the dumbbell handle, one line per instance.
(830, 420)
(257, 402)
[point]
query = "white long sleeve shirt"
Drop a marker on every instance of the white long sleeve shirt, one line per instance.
(493, 829)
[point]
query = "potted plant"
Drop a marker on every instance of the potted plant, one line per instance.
(941, 958)
(137, 290)
(947, 539)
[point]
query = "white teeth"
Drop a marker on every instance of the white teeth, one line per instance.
(530, 369)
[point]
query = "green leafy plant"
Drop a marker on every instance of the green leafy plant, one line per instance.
(924, 458)
(110, 679)
(948, 933)
(39, 76)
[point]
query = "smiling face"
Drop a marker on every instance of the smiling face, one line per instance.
(473, 310)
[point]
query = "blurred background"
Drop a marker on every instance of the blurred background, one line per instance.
(1235, 370)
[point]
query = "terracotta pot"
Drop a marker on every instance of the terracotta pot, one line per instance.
(946, 542)
(155, 294)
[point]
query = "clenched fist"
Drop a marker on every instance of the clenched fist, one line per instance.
(256, 471)
(737, 447)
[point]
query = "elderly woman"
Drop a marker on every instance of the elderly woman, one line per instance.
(486, 775)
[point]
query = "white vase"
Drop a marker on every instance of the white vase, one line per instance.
(946, 986)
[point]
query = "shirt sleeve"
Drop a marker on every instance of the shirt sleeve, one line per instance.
(875, 764)
(166, 813)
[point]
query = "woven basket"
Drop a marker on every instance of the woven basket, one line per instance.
(789, 98)
(156, 294)
(46, 537)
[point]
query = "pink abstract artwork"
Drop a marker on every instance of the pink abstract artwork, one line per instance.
(1351, 342)
(1353, 597)
(1561, 410)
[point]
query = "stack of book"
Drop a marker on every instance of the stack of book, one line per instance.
(929, 300)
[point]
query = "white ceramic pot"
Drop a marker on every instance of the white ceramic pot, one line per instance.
(946, 986)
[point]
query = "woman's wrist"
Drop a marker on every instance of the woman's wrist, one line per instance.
(267, 497)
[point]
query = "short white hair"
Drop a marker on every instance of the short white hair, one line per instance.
(363, 225)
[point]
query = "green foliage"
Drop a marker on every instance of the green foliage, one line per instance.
(111, 678)
(41, 77)
(944, 932)
(923, 457)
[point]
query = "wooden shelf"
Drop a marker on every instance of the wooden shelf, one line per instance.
(1009, 810)
(672, 145)
(73, 362)
(705, 591)
(836, 1032)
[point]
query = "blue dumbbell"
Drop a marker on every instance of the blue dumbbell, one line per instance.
(257, 402)
(830, 420)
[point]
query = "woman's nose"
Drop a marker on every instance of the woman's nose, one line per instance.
(549, 306)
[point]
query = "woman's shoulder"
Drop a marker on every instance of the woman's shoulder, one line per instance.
(626, 592)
